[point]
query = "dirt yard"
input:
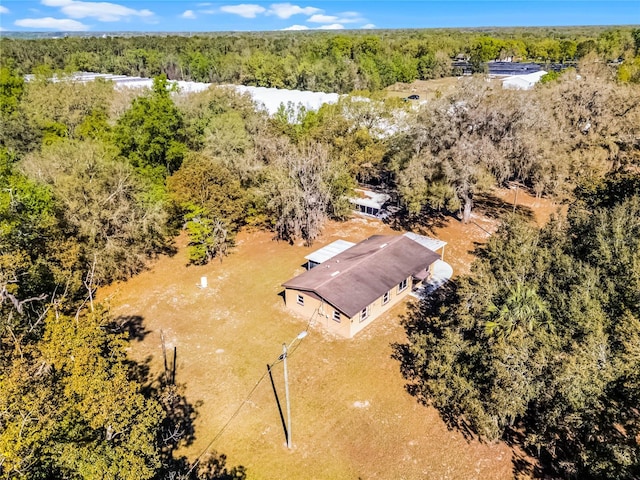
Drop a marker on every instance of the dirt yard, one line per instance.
(427, 89)
(351, 415)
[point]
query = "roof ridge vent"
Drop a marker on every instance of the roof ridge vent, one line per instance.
(384, 245)
(335, 273)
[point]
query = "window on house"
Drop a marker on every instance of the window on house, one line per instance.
(300, 300)
(364, 314)
(385, 298)
(402, 285)
(336, 316)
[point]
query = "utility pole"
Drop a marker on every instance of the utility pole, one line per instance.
(283, 357)
(286, 394)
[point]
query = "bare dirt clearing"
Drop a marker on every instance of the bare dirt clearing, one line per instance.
(351, 415)
(427, 89)
(430, 89)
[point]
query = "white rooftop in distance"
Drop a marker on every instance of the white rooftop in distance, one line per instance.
(432, 244)
(268, 98)
(523, 82)
(329, 251)
(272, 98)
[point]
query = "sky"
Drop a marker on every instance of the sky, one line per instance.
(247, 15)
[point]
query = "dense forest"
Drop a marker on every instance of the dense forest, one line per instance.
(540, 345)
(323, 61)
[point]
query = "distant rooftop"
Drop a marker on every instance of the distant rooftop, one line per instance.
(512, 68)
(523, 82)
(269, 99)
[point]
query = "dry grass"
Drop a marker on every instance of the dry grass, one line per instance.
(427, 89)
(352, 417)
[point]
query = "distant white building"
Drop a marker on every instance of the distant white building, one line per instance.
(523, 82)
(269, 99)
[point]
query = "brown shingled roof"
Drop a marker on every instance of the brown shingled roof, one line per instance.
(363, 273)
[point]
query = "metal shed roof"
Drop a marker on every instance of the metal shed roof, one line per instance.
(329, 251)
(431, 243)
(370, 198)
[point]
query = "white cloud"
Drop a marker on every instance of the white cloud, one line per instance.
(319, 18)
(188, 14)
(296, 27)
(4, 9)
(286, 10)
(245, 10)
(103, 11)
(332, 26)
(368, 26)
(49, 23)
(351, 17)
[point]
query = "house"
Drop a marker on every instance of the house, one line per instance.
(350, 290)
(369, 202)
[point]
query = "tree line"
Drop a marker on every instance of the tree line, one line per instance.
(95, 182)
(540, 344)
(319, 61)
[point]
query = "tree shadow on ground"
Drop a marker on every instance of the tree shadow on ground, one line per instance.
(428, 220)
(170, 248)
(494, 207)
(415, 322)
(212, 466)
(523, 464)
(140, 371)
(177, 429)
(424, 223)
(132, 325)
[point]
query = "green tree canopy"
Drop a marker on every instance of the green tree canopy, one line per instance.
(70, 409)
(543, 338)
(105, 206)
(151, 133)
(211, 202)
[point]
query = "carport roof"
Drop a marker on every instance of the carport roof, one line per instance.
(329, 251)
